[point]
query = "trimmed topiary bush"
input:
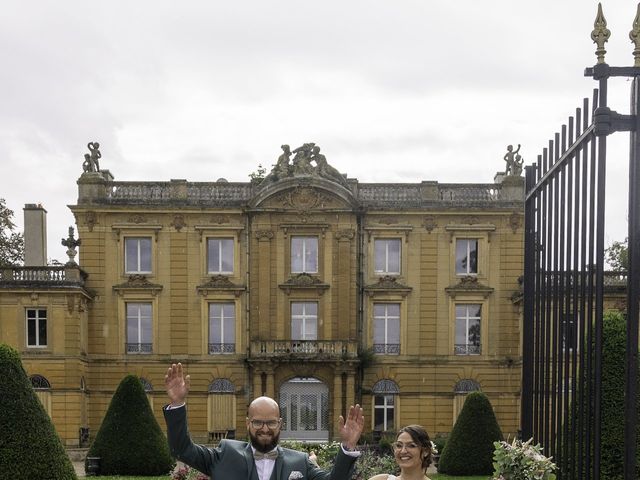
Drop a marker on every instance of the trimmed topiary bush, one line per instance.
(129, 441)
(613, 379)
(469, 448)
(30, 447)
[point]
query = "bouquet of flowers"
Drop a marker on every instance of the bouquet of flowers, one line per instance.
(521, 461)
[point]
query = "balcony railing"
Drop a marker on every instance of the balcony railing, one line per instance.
(466, 349)
(139, 348)
(386, 348)
(217, 348)
(304, 348)
(55, 275)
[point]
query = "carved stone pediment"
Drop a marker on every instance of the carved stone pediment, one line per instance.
(219, 283)
(469, 285)
(387, 284)
(304, 281)
(138, 282)
(307, 161)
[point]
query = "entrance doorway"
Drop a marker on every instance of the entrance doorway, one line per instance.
(304, 406)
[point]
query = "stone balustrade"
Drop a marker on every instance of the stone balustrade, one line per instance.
(303, 348)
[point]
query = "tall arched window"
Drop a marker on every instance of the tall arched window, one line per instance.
(221, 409)
(148, 389)
(42, 388)
(460, 391)
(385, 400)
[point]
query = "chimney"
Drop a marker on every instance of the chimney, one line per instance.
(35, 235)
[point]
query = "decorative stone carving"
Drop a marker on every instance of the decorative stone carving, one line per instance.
(387, 284)
(304, 281)
(137, 219)
(302, 165)
(91, 160)
(388, 220)
(178, 222)
(346, 234)
(302, 199)
(515, 220)
(219, 219)
(469, 284)
(514, 161)
(470, 220)
(430, 223)
(220, 283)
(264, 234)
(90, 220)
(138, 282)
(71, 243)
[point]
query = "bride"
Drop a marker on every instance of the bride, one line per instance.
(412, 451)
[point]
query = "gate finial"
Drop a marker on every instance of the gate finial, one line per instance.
(634, 35)
(600, 34)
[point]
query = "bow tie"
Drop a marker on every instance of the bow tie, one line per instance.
(272, 455)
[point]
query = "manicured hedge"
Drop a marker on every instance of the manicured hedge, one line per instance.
(130, 441)
(469, 448)
(29, 444)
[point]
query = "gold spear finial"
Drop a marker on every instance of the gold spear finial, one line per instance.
(600, 34)
(634, 35)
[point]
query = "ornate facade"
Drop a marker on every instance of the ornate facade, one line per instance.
(306, 286)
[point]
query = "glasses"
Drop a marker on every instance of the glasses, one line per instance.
(271, 424)
(409, 446)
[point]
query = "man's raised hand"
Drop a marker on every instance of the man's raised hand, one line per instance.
(351, 428)
(177, 384)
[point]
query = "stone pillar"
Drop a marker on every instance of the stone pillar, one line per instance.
(265, 328)
(271, 389)
(257, 383)
(35, 235)
(337, 404)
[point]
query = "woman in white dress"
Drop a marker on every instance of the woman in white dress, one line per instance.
(412, 451)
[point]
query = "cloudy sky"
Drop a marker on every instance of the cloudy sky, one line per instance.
(393, 91)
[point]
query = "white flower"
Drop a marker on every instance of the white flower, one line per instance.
(295, 475)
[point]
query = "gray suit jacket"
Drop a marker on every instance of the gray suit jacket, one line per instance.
(233, 460)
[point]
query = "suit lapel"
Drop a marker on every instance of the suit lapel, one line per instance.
(277, 469)
(251, 464)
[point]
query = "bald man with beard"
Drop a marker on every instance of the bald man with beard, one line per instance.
(261, 458)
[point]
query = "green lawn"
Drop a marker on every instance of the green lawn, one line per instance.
(434, 476)
(437, 476)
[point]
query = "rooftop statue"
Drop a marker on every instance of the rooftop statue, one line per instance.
(307, 161)
(514, 161)
(91, 160)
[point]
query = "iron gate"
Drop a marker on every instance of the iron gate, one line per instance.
(564, 266)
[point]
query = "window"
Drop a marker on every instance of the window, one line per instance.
(386, 328)
(137, 255)
(221, 409)
(42, 388)
(304, 254)
(36, 327)
(467, 329)
(304, 321)
(222, 330)
(139, 331)
(384, 405)
(387, 255)
(467, 256)
(220, 255)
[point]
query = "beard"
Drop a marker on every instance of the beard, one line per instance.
(259, 445)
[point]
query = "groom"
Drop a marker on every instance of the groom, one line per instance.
(262, 459)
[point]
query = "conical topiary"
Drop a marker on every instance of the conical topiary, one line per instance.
(469, 449)
(29, 444)
(129, 441)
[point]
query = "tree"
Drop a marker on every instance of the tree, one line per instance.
(11, 243)
(130, 441)
(29, 444)
(617, 255)
(469, 449)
